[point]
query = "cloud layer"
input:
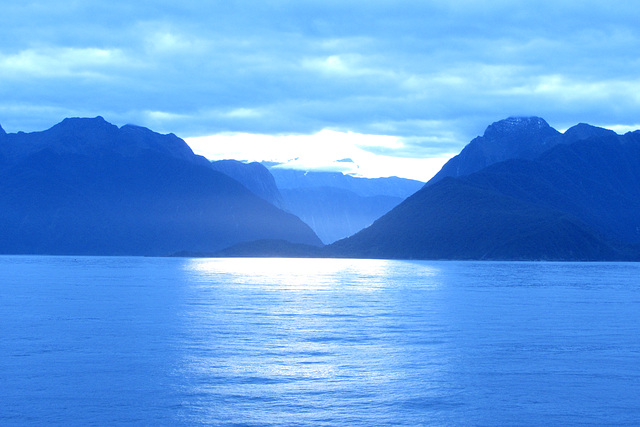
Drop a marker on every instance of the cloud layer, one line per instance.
(434, 73)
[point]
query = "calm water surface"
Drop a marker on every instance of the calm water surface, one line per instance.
(155, 341)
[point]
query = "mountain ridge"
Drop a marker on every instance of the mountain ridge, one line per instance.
(86, 186)
(90, 136)
(255, 176)
(522, 191)
(336, 205)
(576, 201)
(514, 137)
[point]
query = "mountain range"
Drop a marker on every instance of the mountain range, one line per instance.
(254, 176)
(336, 205)
(333, 204)
(521, 191)
(86, 186)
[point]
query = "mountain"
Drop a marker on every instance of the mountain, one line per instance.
(511, 138)
(287, 179)
(584, 131)
(334, 213)
(254, 176)
(3, 139)
(88, 187)
(94, 137)
(577, 200)
(337, 205)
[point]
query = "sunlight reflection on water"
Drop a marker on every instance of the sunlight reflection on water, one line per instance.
(172, 341)
(319, 336)
(305, 274)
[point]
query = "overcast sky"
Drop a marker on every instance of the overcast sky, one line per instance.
(403, 79)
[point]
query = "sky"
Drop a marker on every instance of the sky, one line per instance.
(371, 87)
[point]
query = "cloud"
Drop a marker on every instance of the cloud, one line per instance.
(431, 74)
(367, 155)
(61, 62)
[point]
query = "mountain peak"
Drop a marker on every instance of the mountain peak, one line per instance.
(90, 136)
(516, 137)
(511, 138)
(579, 203)
(585, 131)
(2, 132)
(516, 125)
(85, 186)
(75, 132)
(84, 123)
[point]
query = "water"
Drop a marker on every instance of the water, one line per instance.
(153, 341)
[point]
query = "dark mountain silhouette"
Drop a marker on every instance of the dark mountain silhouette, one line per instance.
(93, 137)
(255, 176)
(596, 180)
(512, 138)
(584, 131)
(578, 200)
(3, 143)
(88, 187)
(337, 205)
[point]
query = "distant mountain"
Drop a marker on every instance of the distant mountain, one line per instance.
(334, 213)
(254, 176)
(288, 179)
(578, 200)
(88, 187)
(335, 205)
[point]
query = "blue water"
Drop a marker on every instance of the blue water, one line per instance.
(169, 341)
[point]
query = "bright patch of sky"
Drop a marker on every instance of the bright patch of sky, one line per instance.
(318, 152)
(429, 75)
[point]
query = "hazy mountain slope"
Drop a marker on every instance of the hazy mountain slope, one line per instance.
(287, 179)
(254, 176)
(335, 213)
(337, 205)
(88, 187)
(575, 202)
